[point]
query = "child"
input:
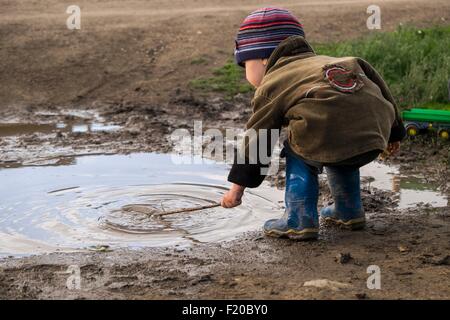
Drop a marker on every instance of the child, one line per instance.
(339, 112)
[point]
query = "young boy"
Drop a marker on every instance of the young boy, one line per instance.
(339, 113)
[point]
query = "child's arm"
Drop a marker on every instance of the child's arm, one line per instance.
(233, 197)
(398, 131)
(266, 115)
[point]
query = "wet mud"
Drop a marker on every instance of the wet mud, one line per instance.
(215, 253)
(83, 138)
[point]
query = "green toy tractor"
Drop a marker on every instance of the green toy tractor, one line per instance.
(419, 120)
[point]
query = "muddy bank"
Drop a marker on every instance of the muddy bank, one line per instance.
(142, 128)
(410, 245)
(411, 248)
(126, 128)
(121, 88)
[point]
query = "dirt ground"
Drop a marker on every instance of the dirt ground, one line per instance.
(131, 64)
(141, 52)
(410, 248)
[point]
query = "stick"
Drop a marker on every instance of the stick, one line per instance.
(187, 209)
(152, 212)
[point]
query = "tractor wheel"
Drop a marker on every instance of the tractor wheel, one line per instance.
(412, 130)
(443, 134)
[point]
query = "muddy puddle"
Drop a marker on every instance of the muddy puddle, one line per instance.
(83, 205)
(97, 202)
(62, 121)
(409, 191)
(17, 129)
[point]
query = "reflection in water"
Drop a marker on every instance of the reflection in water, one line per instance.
(68, 207)
(43, 209)
(14, 129)
(409, 190)
(396, 183)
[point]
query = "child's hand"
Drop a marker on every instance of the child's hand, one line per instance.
(393, 147)
(233, 197)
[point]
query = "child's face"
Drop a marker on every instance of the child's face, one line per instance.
(255, 70)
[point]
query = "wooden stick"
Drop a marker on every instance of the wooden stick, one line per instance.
(153, 212)
(187, 209)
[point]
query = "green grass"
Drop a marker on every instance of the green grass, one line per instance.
(415, 63)
(435, 105)
(229, 79)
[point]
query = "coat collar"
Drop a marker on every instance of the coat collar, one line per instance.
(291, 46)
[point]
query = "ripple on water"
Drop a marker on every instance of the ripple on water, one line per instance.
(90, 202)
(68, 208)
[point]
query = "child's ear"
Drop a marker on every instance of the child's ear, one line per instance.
(264, 62)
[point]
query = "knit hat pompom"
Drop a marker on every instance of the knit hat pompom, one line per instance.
(262, 31)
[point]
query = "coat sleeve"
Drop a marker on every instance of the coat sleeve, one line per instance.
(248, 168)
(398, 131)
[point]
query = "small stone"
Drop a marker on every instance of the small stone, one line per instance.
(379, 228)
(117, 285)
(343, 258)
(100, 248)
(361, 296)
(202, 279)
(205, 278)
(326, 284)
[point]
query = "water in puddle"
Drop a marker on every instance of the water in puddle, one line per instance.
(14, 129)
(410, 190)
(44, 209)
(71, 207)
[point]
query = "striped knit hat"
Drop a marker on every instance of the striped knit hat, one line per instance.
(262, 31)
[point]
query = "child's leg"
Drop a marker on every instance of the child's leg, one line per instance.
(300, 220)
(347, 210)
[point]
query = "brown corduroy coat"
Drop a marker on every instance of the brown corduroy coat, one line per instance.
(334, 108)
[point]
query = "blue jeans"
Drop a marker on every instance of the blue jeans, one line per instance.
(344, 182)
(302, 193)
(301, 219)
